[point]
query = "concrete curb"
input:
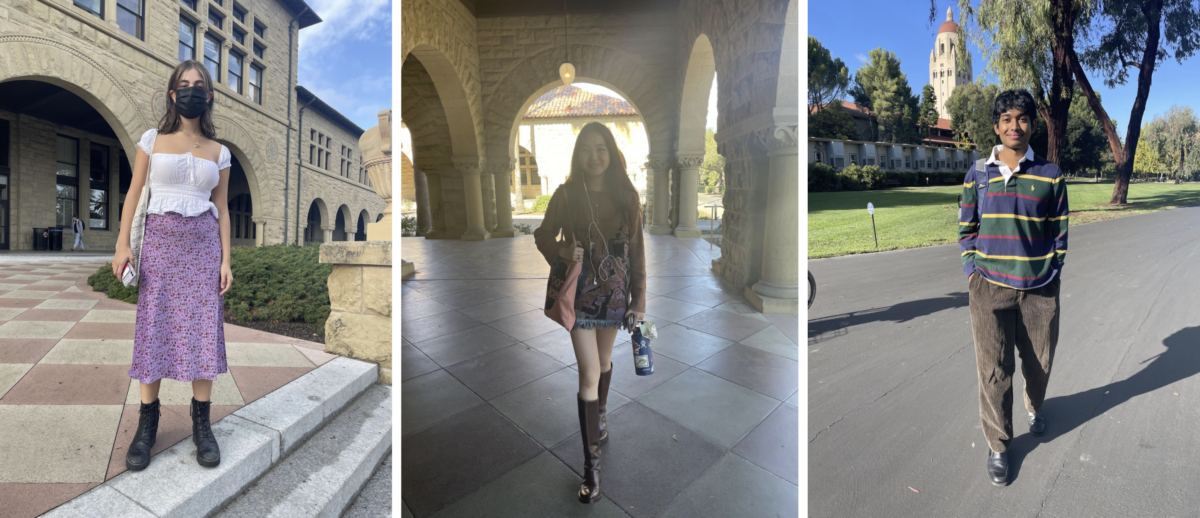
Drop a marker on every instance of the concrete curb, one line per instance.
(323, 475)
(252, 440)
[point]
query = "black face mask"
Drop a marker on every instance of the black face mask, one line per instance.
(190, 101)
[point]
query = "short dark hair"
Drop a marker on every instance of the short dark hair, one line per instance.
(1009, 99)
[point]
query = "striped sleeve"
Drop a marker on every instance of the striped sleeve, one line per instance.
(968, 222)
(1059, 218)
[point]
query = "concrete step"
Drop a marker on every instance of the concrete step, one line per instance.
(375, 499)
(253, 440)
(324, 475)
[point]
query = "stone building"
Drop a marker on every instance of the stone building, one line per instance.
(472, 68)
(945, 73)
(81, 80)
(548, 132)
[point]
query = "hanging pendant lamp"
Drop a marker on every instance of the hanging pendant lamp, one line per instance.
(566, 71)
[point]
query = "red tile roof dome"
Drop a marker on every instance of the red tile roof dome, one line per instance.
(948, 25)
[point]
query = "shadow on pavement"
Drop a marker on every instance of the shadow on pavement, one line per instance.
(1180, 361)
(899, 313)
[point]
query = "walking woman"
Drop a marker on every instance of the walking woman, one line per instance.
(598, 213)
(184, 269)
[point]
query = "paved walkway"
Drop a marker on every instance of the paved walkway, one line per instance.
(489, 419)
(893, 391)
(68, 408)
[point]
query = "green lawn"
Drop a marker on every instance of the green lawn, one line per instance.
(911, 217)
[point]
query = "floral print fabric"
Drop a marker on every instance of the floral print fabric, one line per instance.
(180, 314)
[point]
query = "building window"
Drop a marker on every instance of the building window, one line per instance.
(311, 151)
(259, 50)
(215, 19)
(99, 177)
(256, 74)
(239, 13)
(320, 157)
(191, 4)
(908, 162)
(260, 30)
(187, 40)
(67, 156)
(239, 36)
(212, 56)
(129, 18)
(219, 2)
(95, 7)
(853, 158)
(235, 72)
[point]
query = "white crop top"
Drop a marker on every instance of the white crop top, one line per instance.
(181, 183)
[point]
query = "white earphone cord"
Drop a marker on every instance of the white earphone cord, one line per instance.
(600, 273)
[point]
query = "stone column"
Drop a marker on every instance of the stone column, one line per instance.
(661, 203)
(360, 302)
(328, 233)
(502, 173)
(473, 193)
(518, 190)
(421, 192)
(437, 216)
(260, 231)
(689, 184)
(777, 290)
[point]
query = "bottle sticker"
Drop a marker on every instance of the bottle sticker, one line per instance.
(641, 361)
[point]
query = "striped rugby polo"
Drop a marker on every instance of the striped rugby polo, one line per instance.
(1014, 232)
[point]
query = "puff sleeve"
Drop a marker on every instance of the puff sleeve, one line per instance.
(224, 161)
(147, 142)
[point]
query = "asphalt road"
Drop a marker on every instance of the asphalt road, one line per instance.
(893, 398)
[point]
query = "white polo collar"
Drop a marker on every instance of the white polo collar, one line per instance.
(1004, 170)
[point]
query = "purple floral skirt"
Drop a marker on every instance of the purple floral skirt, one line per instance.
(180, 314)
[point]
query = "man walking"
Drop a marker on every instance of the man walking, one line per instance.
(77, 228)
(1013, 230)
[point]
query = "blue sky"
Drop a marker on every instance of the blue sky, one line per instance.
(346, 60)
(850, 29)
(710, 123)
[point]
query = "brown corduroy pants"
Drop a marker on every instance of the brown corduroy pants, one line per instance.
(1003, 319)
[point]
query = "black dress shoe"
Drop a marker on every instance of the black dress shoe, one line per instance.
(997, 468)
(1037, 424)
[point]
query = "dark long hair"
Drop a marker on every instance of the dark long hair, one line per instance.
(170, 119)
(616, 179)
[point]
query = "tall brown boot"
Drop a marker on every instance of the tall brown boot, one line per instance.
(605, 379)
(589, 427)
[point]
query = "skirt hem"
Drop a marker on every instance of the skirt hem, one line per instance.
(587, 323)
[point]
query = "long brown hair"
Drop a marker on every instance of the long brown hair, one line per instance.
(616, 179)
(170, 119)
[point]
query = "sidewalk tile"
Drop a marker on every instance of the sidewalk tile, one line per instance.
(467, 298)
(264, 355)
(173, 392)
(11, 313)
(10, 374)
(52, 315)
(725, 324)
(774, 341)
(35, 499)
(27, 329)
(84, 305)
(84, 330)
(496, 310)
(735, 487)
(433, 397)
(413, 362)
(773, 445)
(25, 350)
(547, 409)
(317, 357)
(722, 411)
(48, 384)
(74, 442)
(437, 325)
(687, 345)
(91, 352)
(256, 382)
(29, 294)
(526, 325)
(111, 316)
(464, 345)
(555, 344)
(756, 370)
(498, 372)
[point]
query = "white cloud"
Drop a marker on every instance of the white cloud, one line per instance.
(863, 58)
(345, 19)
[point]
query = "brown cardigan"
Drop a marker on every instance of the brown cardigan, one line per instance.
(608, 218)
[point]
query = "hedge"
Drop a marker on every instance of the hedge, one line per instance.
(823, 178)
(276, 283)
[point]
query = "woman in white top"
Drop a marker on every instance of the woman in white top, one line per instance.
(184, 268)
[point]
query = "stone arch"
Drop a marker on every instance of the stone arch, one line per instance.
(364, 217)
(787, 93)
(242, 145)
(42, 59)
(322, 211)
(538, 74)
(693, 106)
(343, 213)
(465, 136)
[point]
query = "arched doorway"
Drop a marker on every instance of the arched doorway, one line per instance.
(242, 230)
(340, 222)
(313, 233)
(699, 84)
(361, 233)
(436, 110)
(71, 165)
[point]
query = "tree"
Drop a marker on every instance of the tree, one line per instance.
(712, 171)
(1147, 159)
(1027, 44)
(828, 77)
(1085, 143)
(927, 114)
(833, 122)
(1179, 129)
(1135, 39)
(970, 108)
(881, 86)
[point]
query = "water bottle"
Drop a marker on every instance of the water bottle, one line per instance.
(643, 359)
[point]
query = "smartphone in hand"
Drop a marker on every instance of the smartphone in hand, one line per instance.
(127, 274)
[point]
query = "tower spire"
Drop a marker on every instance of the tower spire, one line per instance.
(949, 15)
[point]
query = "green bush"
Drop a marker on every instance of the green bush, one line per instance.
(104, 281)
(851, 178)
(523, 228)
(408, 227)
(822, 178)
(277, 283)
(540, 204)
